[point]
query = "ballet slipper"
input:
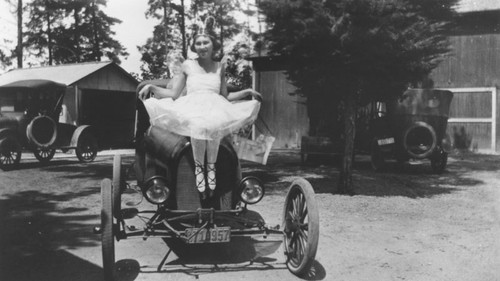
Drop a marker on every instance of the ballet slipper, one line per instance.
(199, 172)
(211, 179)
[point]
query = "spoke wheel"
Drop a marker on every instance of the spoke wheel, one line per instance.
(44, 154)
(86, 150)
(107, 238)
(301, 227)
(118, 184)
(10, 154)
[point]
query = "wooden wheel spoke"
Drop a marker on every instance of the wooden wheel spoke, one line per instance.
(293, 244)
(301, 248)
(304, 215)
(300, 204)
(295, 206)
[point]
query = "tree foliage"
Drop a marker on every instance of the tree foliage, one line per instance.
(174, 33)
(368, 48)
(66, 31)
(350, 52)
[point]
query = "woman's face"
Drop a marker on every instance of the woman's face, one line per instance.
(203, 46)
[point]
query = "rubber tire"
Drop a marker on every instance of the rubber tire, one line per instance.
(31, 137)
(86, 149)
(118, 185)
(301, 191)
(10, 157)
(43, 154)
(433, 136)
(107, 235)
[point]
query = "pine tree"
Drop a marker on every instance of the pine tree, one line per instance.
(350, 52)
(64, 31)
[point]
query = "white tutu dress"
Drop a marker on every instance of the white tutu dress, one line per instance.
(202, 113)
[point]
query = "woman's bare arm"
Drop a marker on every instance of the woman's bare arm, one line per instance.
(223, 84)
(234, 96)
(179, 82)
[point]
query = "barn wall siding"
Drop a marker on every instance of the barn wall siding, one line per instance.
(285, 114)
(474, 63)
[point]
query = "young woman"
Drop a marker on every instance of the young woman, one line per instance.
(205, 113)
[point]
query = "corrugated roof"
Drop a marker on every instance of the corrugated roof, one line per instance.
(465, 6)
(66, 73)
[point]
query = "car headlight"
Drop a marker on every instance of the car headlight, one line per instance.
(156, 190)
(251, 190)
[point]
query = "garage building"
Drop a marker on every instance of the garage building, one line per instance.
(101, 94)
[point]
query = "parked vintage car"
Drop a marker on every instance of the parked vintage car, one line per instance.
(413, 127)
(29, 120)
(163, 173)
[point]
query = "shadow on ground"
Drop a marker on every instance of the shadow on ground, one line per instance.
(36, 233)
(240, 255)
(413, 180)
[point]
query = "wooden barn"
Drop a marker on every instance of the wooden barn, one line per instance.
(101, 94)
(473, 74)
(284, 114)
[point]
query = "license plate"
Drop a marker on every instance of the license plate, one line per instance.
(208, 235)
(385, 141)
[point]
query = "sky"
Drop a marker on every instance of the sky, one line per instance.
(132, 32)
(134, 29)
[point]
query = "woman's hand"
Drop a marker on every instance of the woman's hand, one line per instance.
(145, 92)
(256, 95)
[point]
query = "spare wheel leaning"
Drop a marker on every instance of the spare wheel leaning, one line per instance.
(419, 140)
(42, 131)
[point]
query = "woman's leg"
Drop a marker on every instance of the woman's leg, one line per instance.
(212, 151)
(199, 150)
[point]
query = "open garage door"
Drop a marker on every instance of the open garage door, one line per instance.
(111, 113)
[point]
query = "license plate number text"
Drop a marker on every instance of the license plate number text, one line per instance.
(385, 141)
(208, 235)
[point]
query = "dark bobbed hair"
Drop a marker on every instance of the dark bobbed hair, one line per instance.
(216, 44)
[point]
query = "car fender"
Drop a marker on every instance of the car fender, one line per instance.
(8, 132)
(9, 143)
(80, 130)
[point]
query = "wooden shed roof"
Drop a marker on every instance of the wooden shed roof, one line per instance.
(68, 74)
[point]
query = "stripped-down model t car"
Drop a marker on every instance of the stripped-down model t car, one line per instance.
(173, 210)
(414, 127)
(29, 119)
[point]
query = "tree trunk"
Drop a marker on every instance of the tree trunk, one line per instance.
(96, 44)
(345, 179)
(49, 31)
(165, 23)
(19, 48)
(183, 31)
(76, 34)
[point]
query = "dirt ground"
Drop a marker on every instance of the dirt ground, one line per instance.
(403, 224)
